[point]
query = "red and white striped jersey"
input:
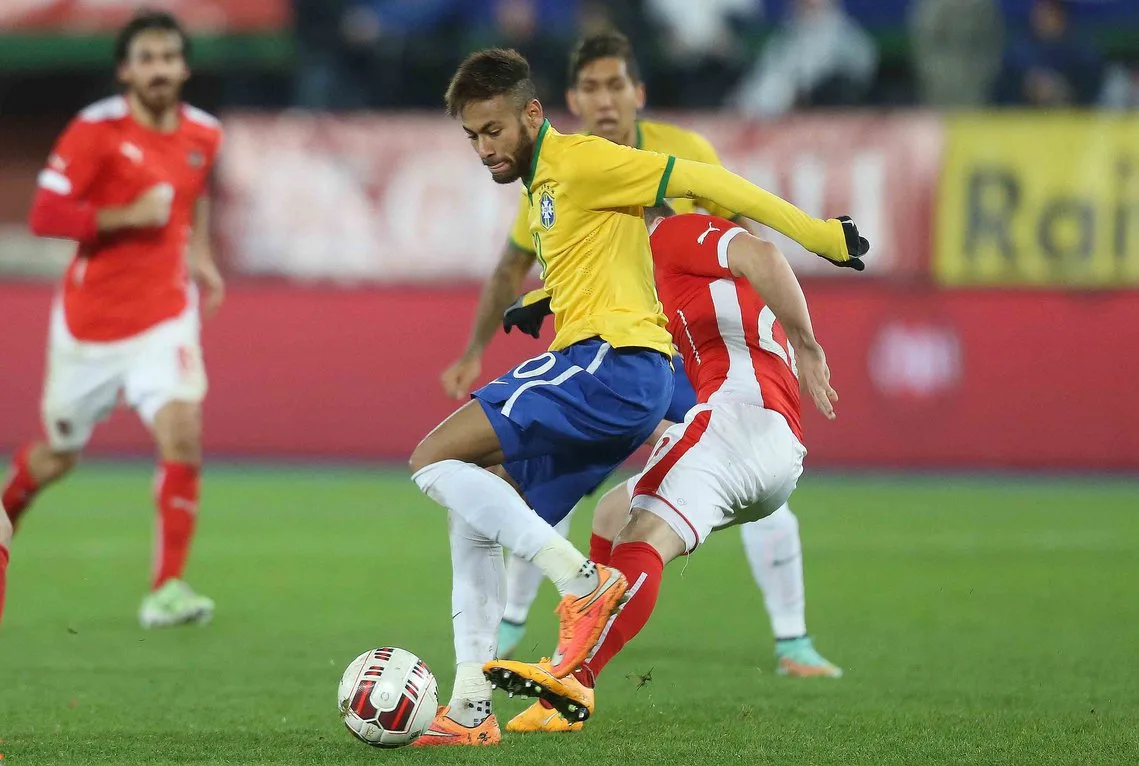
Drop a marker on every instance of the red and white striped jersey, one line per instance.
(733, 349)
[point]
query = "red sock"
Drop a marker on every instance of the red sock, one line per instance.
(3, 577)
(21, 487)
(643, 567)
(177, 499)
(600, 549)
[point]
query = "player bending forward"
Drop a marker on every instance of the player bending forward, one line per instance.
(553, 428)
(738, 454)
(127, 182)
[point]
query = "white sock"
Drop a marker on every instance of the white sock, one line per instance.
(523, 580)
(477, 596)
(776, 557)
(491, 506)
(487, 503)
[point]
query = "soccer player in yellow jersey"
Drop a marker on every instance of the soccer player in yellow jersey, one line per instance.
(606, 93)
(534, 441)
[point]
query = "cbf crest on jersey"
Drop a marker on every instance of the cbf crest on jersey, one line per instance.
(546, 212)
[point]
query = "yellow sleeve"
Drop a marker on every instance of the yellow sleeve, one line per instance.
(685, 178)
(520, 230)
(605, 175)
(703, 151)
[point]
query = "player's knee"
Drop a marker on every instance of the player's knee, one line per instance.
(178, 430)
(646, 527)
(5, 530)
(612, 512)
(422, 456)
(47, 464)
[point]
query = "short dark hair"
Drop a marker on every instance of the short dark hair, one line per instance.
(663, 210)
(489, 73)
(603, 45)
(145, 21)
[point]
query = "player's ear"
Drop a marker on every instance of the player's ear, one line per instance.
(571, 102)
(534, 113)
(639, 89)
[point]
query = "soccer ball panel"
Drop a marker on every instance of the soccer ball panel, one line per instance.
(387, 697)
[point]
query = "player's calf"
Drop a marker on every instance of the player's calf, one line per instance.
(34, 467)
(5, 544)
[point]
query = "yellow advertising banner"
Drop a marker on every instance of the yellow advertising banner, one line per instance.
(1039, 199)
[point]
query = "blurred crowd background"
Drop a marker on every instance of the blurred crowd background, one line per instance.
(757, 57)
(988, 148)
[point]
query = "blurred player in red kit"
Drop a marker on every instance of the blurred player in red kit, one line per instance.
(127, 182)
(739, 318)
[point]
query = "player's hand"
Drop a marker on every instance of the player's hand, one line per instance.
(815, 377)
(527, 313)
(856, 246)
(460, 376)
(152, 208)
(211, 285)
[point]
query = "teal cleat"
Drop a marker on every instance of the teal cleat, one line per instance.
(797, 657)
(509, 637)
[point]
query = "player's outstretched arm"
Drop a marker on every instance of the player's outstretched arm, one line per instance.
(832, 239)
(760, 263)
(499, 291)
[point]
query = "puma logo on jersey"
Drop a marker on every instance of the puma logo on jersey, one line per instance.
(702, 237)
(131, 152)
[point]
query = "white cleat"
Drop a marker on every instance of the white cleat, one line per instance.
(175, 603)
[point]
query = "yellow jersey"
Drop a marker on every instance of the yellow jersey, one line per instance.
(585, 199)
(654, 137)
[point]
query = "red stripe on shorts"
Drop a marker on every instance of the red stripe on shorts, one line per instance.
(649, 483)
(678, 513)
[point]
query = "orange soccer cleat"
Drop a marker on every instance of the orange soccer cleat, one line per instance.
(445, 731)
(583, 619)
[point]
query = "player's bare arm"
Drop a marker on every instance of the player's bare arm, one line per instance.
(498, 293)
(56, 212)
(202, 266)
(151, 209)
(760, 263)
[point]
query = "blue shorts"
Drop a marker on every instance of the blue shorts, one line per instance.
(683, 395)
(567, 419)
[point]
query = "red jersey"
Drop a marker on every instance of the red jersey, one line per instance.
(733, 349)
(124, 282)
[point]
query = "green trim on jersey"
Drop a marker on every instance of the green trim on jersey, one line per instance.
(664, 180)
(534, 159)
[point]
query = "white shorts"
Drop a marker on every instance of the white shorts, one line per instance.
(85, 379)
(726, 464)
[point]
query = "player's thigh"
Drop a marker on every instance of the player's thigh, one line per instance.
(166, 367)
(466, 435)
(684, 483)
(769, 462)
(81, 388)
(553, 484)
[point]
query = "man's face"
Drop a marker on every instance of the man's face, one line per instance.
(155, 68)
(503, 136)
(606, 99)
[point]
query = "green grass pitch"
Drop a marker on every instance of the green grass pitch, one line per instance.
(979, 622)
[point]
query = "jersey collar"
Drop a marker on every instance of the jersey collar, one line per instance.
(640, 144)
(534, 159)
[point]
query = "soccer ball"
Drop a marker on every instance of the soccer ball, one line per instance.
(388, 697)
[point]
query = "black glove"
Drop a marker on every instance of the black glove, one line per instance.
(856, 245)
(527, 313)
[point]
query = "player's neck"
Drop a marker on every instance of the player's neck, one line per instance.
(163, 121)
(630, 138)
